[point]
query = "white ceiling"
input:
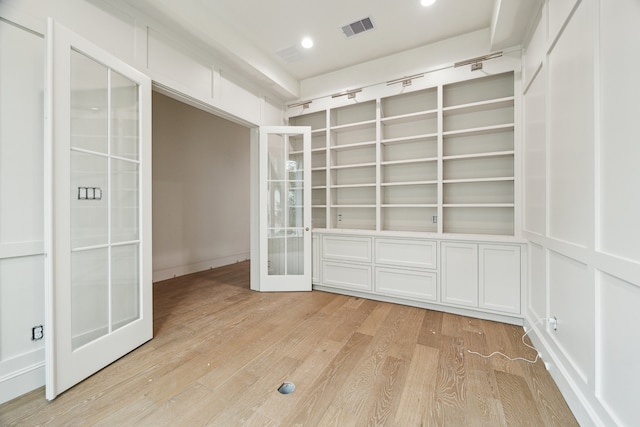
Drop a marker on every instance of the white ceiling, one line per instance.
(249, 33)
(398, 25)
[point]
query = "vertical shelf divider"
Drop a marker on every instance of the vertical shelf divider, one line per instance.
(440, 193)
(379, 212)
(327, 171)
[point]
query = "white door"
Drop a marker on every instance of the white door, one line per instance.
(285, 208)
(99, 290)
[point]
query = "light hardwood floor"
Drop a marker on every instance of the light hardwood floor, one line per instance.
(220, 352)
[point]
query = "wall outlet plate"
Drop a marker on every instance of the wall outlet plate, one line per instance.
(37, 333)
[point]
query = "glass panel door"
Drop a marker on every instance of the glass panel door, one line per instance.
(104, 200)
(99, 293)
(285, 201)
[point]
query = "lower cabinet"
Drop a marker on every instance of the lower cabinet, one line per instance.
(346, 262)
(406, 268)
(459, 273)
(499, 278)
(315, 263)
(479, 276)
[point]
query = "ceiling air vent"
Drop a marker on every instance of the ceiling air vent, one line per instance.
(357, 27)
(290, 54)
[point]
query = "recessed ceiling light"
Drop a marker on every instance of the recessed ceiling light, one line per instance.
(427, 2)
(307, 42)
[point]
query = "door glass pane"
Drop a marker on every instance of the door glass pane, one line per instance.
(276, 159)
(294, 168)
(277, 254)
(276, 204)
(89, 201)
(89, 103)
(284, 207)
(295, 204)
(295, 247)
(124, 201)
(125, 282)
(89, 296)
(124, 117)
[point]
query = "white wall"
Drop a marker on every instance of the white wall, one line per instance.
(200, 190)
(414, 61)
(21, 210)
(581, 202)
(174, 66)
(143, 43)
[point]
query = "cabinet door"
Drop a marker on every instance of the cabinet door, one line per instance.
(459, 273)
(315, 262)
(499, 278)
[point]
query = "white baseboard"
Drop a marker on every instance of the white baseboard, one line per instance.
(585, 413)
(170, 273)
(21, 381)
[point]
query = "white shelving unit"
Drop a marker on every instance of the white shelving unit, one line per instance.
(352, 157)
(414, 196)
(318, 123)
(434, 160)
(478, 156)
(409, 161)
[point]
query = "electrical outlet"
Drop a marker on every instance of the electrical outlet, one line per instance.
(339, 217)
(434, 219)
(553, 321)
(37, 333)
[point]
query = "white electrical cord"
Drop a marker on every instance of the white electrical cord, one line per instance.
(523, 342)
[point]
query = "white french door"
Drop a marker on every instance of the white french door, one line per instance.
(285, 208)
(99, 290)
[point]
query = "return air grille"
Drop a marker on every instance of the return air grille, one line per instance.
(357, 27)
(290, 54)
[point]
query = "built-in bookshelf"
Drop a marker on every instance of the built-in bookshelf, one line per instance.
(478, 156)
(437, 160)
(409, 161)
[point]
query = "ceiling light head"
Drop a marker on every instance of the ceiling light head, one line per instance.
(426, 3)
(307, 42)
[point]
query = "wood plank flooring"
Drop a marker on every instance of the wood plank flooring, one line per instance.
(220, 352)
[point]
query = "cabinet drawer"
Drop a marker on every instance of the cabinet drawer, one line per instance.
(348, 276)
(340, 248)
(406, 253)
(417, 285)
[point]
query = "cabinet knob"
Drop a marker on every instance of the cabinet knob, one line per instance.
(306, 229)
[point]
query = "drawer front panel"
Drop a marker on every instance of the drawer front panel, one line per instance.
(407, 253)
(417, 285)
(349, 276)
(340, 248)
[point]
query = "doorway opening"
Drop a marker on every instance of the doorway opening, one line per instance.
(201, 189)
